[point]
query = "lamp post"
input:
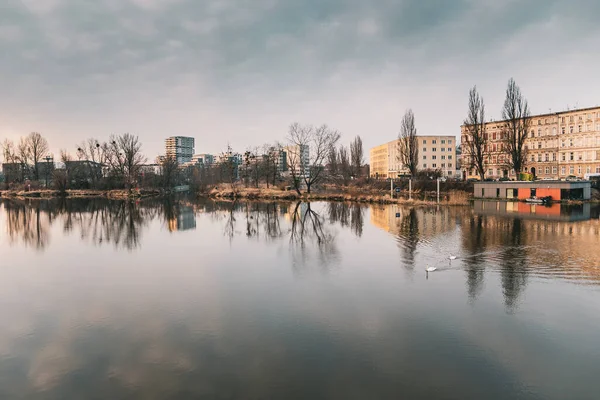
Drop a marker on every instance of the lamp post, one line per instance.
(48, 158)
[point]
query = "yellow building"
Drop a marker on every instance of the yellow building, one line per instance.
(558, 145)
(435, 153)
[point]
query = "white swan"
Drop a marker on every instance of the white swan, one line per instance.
(430, 269)
(452, 258)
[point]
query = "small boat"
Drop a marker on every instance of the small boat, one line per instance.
(539, 200)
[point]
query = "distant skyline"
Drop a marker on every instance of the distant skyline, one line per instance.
(240, 72)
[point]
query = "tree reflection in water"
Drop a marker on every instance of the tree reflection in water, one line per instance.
(409, 237)
(514, 258)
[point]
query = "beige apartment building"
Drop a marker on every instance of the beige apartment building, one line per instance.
(558, 145)
(435, 153)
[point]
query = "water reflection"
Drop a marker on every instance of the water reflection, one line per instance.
(239, 324)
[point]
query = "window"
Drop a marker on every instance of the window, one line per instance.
(443, 165)
(424, 165)
(443, 149)
(563, 120)
(563, 170)
(553, 156)
(598, 167)
(547, 158)
(579, 170)
(424, 149)
(449, 148)
(531, 134)
(588, 169)
(434, 165)
(434, 149)
(539, 132)
(443, 142)
(570, 142)
(424, 157)
(443, 157)
(563, 130)
(554, 170)
(571, 157)
(433, 141)
(433, 157)
(424, 141)
(449, 157)
(571, 129)
(539, 157)
(449, 172)
(579, 128)
(579, 157)
(449, 141)
(539, 121)
(564, 157)
(532, 158)
(554, 131)
(539, 145)
(571, 118)
(450, 166)
(547, 170)
(571, 169)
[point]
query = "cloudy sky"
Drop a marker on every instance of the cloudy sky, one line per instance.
(240, 71)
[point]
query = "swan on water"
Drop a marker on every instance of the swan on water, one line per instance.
(430, 269)
(452, 258)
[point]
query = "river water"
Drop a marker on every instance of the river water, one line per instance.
(205, 300)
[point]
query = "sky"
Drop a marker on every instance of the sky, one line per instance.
(239, 72)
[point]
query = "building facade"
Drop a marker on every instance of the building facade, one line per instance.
(298, 159)
(557, 145)
(203, 159)
(180, 147)
(436, 153)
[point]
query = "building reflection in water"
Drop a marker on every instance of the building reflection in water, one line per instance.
(514, 240)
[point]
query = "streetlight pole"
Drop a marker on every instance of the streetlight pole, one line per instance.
(47, 158)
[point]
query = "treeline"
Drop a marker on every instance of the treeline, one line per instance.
(309, 156)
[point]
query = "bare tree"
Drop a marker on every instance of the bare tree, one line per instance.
(356, 156)
(408, 147)
(516, 116)
(37, 148)
(345, 167)
(23, 157)
(308, 150)
(9, 154)
(333, 161)
(169, 171)
(125, 158)
(92, 150)
(476, 136)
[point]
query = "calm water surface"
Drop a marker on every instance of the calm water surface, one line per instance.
(203, 300)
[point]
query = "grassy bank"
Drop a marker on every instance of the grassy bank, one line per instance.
(343, 194)
(86, 193)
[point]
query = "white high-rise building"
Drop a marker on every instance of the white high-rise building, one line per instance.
(180, 147)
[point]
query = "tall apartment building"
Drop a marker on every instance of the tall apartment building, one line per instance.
(435, 153)
(557, 145)
(180, 147)
(298, 158)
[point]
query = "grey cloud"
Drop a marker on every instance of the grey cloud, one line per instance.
(66, 54)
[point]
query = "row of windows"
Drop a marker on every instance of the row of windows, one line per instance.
(434, 149)
(434, 141)
(563, 120)
(443, 165)
(435, 157)
(563, 170)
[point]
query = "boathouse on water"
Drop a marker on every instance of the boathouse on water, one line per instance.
(521, 190)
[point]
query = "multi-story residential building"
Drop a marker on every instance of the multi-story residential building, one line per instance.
(435, 153)
(203, 159)
(180, 147)
(557, 145)
(298, 158)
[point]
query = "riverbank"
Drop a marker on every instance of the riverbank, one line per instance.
(84, 193)
(365, 196)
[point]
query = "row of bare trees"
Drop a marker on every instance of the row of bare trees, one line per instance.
(28, 154)
(346, 163)
(516, 122)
